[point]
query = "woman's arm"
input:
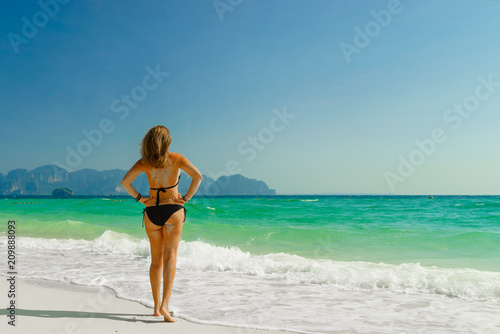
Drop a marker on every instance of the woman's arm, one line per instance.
(192, 171)
(131, 175)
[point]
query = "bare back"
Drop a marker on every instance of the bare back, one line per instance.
(164, 178)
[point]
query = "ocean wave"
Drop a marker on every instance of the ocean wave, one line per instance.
(108, 243)
(69, 222)
(464, 283)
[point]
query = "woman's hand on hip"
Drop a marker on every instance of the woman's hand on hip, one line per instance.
(145, 199)
(179, 200)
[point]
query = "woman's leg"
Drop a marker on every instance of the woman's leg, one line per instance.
(171, 236)
(155, 235)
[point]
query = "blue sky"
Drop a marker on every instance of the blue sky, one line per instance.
(352, 122)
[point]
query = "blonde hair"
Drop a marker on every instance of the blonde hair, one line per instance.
(154, 147)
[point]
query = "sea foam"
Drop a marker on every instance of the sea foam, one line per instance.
(198, 256)
(108, 243)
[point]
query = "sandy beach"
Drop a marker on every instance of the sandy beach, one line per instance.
(44, 306)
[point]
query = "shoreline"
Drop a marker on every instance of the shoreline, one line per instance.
(45, 306)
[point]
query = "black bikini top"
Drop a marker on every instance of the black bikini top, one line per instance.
(163, 190)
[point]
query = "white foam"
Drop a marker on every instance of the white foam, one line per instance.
(108, 243)
(226, 285)
(70, 222)
(468, 284)
(464, 283)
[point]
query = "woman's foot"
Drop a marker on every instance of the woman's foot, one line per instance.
(166, 315)
(157, 313)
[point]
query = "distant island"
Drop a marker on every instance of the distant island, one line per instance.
(45, 179)
(62, 192)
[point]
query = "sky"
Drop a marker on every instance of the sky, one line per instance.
(312, 97)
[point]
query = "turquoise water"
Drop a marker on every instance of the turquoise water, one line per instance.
(350, 264)
(451, 232)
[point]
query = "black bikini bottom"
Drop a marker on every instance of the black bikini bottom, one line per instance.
(159, 214)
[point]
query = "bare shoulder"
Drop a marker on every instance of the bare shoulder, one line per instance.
(176, 158)
(140, 164)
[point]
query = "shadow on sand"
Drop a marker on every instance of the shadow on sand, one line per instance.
(84, 315)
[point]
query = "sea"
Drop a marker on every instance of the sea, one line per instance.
(304, 264)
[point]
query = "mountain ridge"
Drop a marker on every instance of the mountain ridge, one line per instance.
(44, 179)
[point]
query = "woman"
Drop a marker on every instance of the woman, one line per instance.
(164, 213)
